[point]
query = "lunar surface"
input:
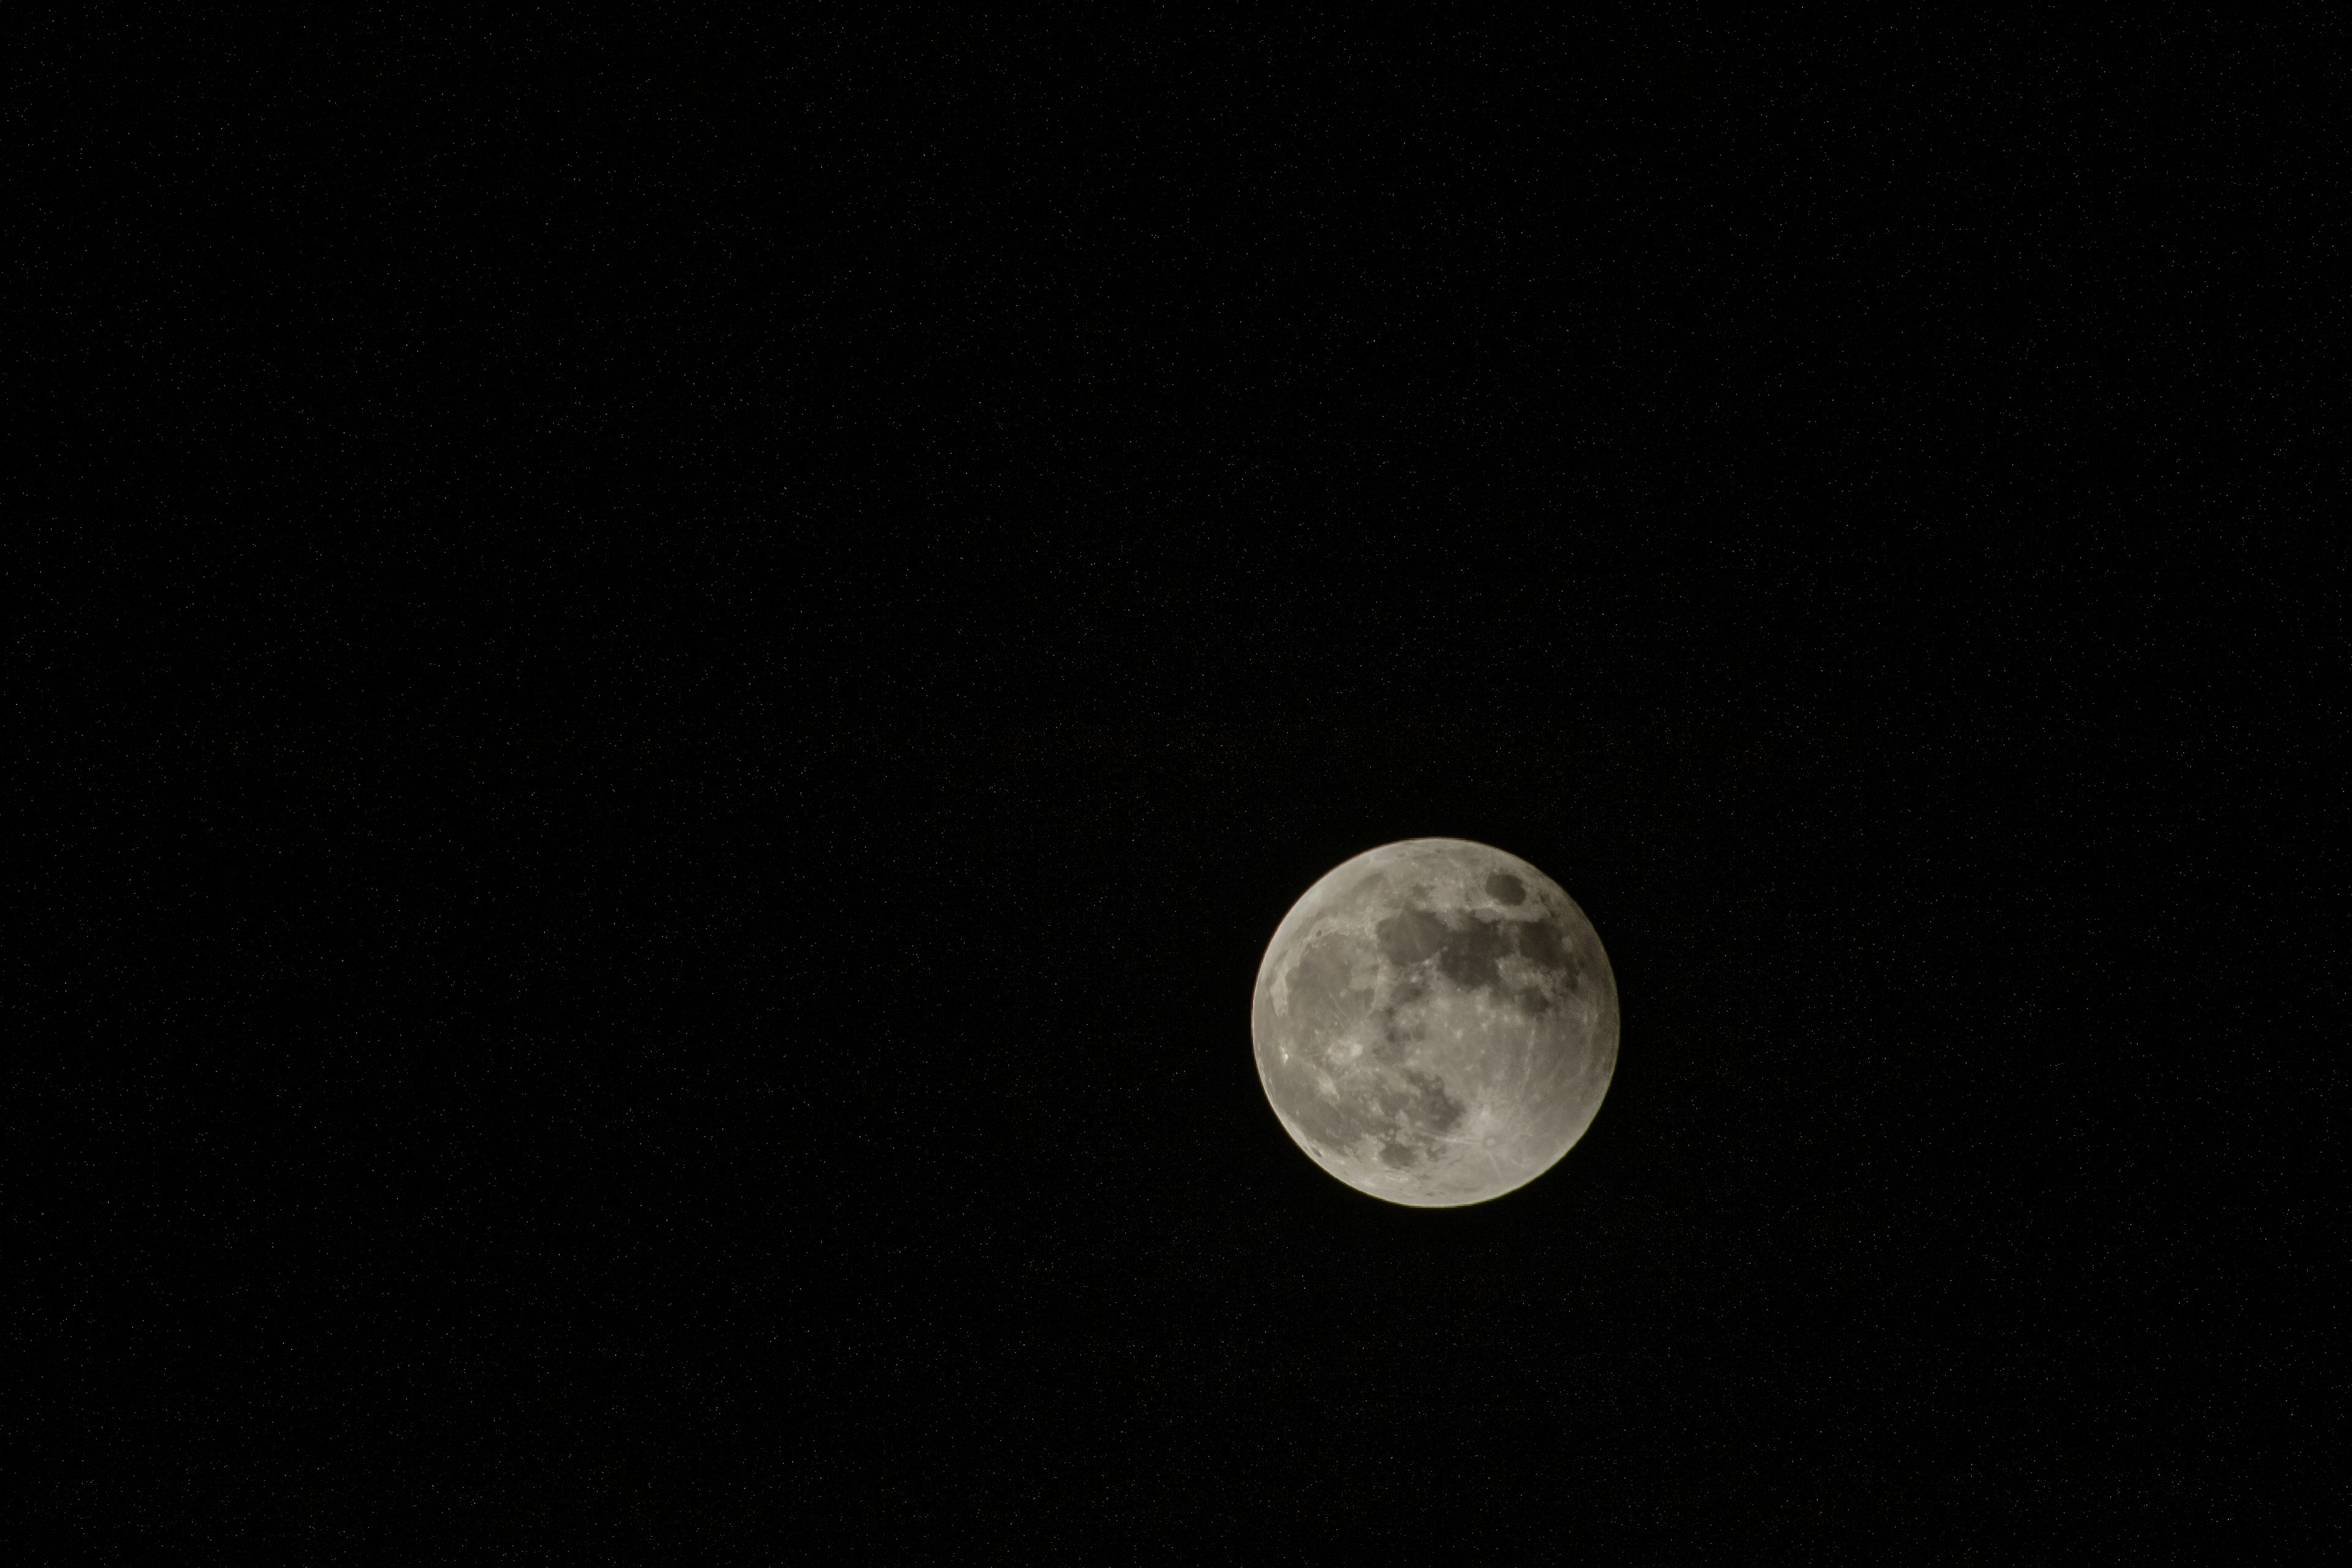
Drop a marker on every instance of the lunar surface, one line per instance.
(1435, 1022)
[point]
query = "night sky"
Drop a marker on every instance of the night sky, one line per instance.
(687, 672)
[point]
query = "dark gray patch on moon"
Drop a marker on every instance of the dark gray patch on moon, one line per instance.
(1470, 954)
(1435, 1022)
(1544, 947)
(1410, 936)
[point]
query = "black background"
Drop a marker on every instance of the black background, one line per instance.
(689, 671)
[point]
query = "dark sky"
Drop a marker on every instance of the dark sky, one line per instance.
(695, 667)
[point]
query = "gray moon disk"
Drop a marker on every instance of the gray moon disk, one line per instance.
(1435, 1023)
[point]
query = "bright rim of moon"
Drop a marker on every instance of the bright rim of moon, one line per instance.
(1435, 1023)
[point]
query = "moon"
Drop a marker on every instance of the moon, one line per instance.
(1435, 1023)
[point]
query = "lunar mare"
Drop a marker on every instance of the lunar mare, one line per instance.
(1435, 1022)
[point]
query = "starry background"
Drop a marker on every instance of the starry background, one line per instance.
(688, 670)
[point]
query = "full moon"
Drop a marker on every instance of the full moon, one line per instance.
(1435, 1023)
